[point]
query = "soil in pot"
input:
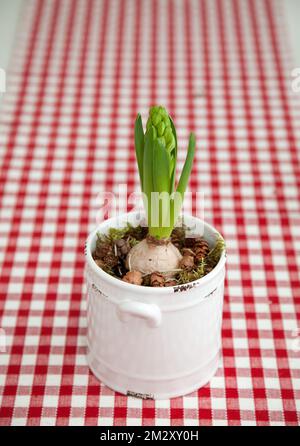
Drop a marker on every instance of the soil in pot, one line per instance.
(182, 258)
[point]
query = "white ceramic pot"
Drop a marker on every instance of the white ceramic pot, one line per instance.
(153, 342)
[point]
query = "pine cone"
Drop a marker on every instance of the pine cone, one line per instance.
(134, 277)
(201, 249)
(187, 252)
(187, 263)
(190, 242)
(157, 279)
(123, 247)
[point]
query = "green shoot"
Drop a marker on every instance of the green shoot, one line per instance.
(156, 154)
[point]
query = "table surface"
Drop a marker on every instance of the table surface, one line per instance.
(79, 73)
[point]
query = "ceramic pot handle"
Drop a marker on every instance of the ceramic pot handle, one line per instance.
(150, 312)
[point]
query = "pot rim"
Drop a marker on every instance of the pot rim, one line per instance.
(113, 281)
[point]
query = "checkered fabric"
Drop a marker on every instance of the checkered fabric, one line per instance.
(79, 72)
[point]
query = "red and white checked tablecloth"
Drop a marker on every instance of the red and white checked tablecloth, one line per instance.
(80, 71)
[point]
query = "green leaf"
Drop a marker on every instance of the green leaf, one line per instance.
(161, 163)
(184, 179)
(148, 170)
(174, 157)
(139, 145)
(176, 203)
(160, 204)
(187, 168)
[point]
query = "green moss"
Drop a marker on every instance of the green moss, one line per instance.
(214, 254)
(189, 276)
(117, 234)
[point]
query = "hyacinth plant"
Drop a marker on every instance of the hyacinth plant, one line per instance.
(156, 153)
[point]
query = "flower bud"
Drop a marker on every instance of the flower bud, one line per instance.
(159, 120)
